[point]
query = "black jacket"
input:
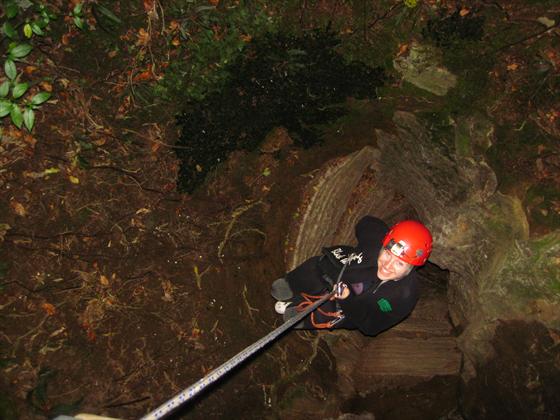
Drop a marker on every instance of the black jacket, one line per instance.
(373, 306)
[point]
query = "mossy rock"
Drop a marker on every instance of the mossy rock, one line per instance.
(530, 277)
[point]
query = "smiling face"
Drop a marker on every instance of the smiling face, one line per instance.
(390, 267)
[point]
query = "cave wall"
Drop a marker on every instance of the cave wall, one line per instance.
(497, 273)
(481, 236)
(340, 193)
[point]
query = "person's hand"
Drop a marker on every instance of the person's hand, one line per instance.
(341, 291)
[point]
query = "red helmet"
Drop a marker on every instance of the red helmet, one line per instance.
(409, 240)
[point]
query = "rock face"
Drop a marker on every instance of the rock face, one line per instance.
(478, 233)
(481, 237)
(421, 67)
(334, 200)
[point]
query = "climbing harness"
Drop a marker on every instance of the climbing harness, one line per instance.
(309, 300)
(187, 394)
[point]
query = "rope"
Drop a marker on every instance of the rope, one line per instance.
(187, 394)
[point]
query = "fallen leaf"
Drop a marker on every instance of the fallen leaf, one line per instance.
(149, 5)
(64, 82)
(33, 175)
(168, 290)
(195, 333)
(549, 23)
(403, 48)
(145, 75)
(104, 280)
(513, 66)
(4, 227)
(143, 37)
(464, 12)
(89, 331)
(50, 171)
(30, 69)
(30, 140)
(155, 146)
(174, 25)
(125, 105)
(49, 308)
(18, 208)
(176, 42)
(46, 86)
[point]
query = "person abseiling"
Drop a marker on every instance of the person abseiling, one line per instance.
(378, 288)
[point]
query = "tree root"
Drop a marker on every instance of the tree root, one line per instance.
(34, 330)
(250, 309)
(237, 213)
(198, 276)
(287, 375)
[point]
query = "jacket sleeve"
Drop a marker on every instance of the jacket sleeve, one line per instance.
(372, 314)
(370, 232)
(306, 277)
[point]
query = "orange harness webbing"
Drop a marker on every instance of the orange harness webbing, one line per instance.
(309, 300)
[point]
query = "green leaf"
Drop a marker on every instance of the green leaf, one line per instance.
(17, 116)
(11, 10)
(20, 51)
(40, 98)
(29, 118)
(77, 9)
(37, 29)
(27, 31)
(4, 89)
(205, 8)
(9, 30)
(19, 90)
(79, 22)
(43, 22)
(10, 69)
(5, 108)
(47, 15)
(108, 14)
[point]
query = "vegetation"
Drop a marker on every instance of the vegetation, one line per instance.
(21, 20)
(453, 30)
(210, 39)
(280, 80)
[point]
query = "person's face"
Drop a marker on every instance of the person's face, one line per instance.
(390, 267)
